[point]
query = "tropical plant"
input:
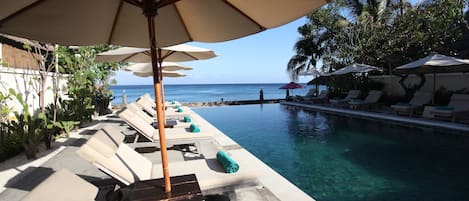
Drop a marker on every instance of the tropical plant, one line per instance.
(27, 128)
(317, 39)
(88, 85)
(385, 33)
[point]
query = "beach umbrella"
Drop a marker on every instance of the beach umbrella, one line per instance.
(170, 74)
(147, 23)
(147, 68)
(355, 68)
(291, 85)
(433, 64)
(176, 53)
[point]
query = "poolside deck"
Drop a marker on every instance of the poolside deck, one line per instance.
(389, 117)
(18, 176)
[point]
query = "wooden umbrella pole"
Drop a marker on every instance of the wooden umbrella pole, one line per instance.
(162, 88)
(150, 9)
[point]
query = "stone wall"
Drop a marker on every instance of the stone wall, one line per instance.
(450, 81)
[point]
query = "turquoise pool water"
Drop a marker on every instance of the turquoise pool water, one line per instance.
(333, 157)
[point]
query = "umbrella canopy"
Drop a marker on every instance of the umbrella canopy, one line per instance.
(435, 63)
(147, 23)
(321, 80)
(291, 85)
(355, 68)
(176, 53)
(147, 68)
(171, 74)
(121, 22)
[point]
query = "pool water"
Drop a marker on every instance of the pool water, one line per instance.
(334, 157)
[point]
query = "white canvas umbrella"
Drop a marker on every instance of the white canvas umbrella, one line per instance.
(147, 68)
(176, 53)
(355, 68)
(170, 74)
(147, 23)
(434, 63)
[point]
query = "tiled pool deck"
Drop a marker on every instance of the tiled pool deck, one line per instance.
(19, 176)
(381, 116)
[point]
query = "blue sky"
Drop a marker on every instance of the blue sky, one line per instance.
(259, 58)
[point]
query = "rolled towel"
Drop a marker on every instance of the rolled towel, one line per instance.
(187, 119)
(179, 110)
(173, 102)
(194, 128)
(403, 104)
(227, 162)
(444, 108)
(177, 106)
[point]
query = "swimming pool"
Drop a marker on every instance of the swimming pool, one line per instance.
(334, 157)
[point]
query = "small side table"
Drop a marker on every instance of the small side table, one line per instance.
(183, 187)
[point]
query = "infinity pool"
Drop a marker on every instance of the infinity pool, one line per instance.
(341, 158)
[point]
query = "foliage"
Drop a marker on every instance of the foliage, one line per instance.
(88, 83)
(382, 33)
(10, 144)
(4, 108)
(27, 128)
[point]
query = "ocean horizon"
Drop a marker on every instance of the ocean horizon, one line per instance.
(187, 93)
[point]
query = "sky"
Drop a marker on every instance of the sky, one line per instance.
(259, 58)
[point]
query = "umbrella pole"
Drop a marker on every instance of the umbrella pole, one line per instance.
(162, 89)
(149, 10)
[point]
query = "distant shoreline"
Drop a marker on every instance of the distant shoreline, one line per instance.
(120, 85)
(224, 103)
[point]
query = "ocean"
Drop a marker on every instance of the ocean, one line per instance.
(207, 92)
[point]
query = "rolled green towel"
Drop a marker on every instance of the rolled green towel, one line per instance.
(187, 119)
(177, 107)
(179, 110)
(194, 128)
(403, 104)
(173, 102)
(227, 162)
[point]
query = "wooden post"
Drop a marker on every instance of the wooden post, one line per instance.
(150, 10)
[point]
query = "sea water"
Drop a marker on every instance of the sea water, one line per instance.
(207, 92)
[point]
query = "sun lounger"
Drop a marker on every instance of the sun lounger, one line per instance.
(151, 120)
(458, 106)
(173, 135)
(371, 99)
(322, 97)
(127, 166)
(416, 103)
(352, 94)
(148, 97)
(63, 185)
(170, 113)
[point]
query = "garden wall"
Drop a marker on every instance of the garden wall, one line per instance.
(25, 81)
(450, 81)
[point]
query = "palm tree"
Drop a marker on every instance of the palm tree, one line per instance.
(317, 38)
(318, 42)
